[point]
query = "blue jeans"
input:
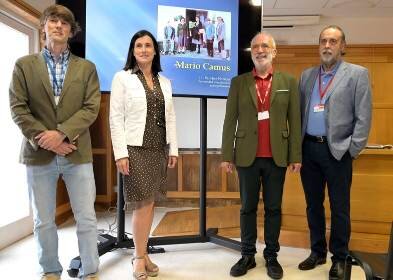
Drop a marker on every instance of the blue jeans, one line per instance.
(79, 180)
(168, 43)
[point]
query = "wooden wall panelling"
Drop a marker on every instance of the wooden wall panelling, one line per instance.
(232, 182)
(100, 176)
(98, 130)
(190, 172)
(180, 173)
(373, 180)
(213, 170)
(382, 81)
(172, 178)
(103, 162)
(294, 69)
(224, 180)
(293, 198)
(371, 201)
(382, 126)
(189, 165)
(63, 207)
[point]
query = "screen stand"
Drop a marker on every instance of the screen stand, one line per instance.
(107, 243)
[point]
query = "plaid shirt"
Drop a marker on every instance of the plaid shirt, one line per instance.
(57, 68)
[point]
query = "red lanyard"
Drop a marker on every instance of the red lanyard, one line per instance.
(323, 92)
(266, 93)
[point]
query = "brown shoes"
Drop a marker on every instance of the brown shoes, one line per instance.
(93, 276)
(50, 276)
(139, 275)
(151, 268)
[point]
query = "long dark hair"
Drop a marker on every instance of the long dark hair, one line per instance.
(131, 61)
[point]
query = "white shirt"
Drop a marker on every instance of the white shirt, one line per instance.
(128, 109)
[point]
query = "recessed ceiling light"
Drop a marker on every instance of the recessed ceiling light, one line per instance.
(256, 2)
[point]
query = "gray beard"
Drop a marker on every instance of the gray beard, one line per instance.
(328, 62)
(266, 66)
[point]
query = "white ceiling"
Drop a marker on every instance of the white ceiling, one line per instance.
(330, 8)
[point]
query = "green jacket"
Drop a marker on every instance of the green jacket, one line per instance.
(240, 131)
(34, 110)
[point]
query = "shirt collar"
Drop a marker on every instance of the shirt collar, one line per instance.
(331, 72)
(255, 75)
(63, 56)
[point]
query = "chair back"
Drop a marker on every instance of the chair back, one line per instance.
(389, 262)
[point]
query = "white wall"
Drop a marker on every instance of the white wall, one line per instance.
(188, 121)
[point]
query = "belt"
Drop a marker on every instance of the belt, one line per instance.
(317, 139)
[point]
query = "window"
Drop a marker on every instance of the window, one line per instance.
(18, 40)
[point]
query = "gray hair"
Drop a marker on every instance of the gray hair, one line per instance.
(266, 34)
(334, 27)
(337, 28)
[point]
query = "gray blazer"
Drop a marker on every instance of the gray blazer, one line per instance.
(347, 108)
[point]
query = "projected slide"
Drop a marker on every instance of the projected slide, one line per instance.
(197, 40)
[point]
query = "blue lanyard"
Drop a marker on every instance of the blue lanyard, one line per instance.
(53, 72)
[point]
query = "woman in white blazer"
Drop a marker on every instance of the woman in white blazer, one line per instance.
(143, 131)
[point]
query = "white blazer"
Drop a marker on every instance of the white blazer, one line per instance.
(128, 109)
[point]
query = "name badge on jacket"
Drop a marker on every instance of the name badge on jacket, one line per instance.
(263, 115)
(319, 108)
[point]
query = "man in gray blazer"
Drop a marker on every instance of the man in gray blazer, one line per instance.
(54, 98)
(336, 118)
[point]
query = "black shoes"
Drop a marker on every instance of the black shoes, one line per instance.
(245, 263)
(274, 269)
(311, 262)
(336, 272)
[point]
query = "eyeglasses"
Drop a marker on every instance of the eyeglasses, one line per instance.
(331, 41)
(264, 47)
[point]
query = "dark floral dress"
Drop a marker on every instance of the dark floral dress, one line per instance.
(148, 163)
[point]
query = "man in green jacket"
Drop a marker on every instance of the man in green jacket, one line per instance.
(261, 137)
(54, 98)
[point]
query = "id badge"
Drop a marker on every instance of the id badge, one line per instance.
(263, 115)
(319, 108)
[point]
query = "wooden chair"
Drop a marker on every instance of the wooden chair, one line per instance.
(375, 266)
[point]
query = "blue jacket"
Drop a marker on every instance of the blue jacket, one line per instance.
(210, 30)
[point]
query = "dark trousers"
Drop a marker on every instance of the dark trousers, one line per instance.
(272, 177)
(221, 46)
(209, 46)
(319, 168)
